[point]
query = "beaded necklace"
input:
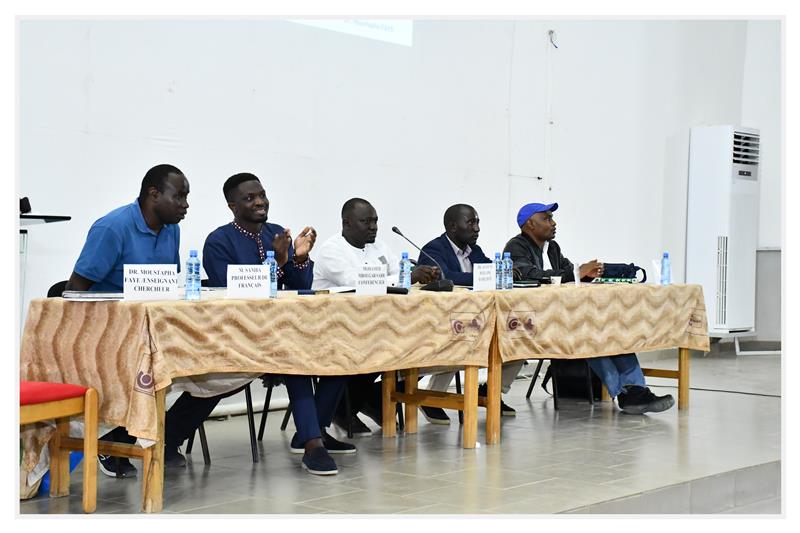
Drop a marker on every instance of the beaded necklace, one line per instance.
(262, 255)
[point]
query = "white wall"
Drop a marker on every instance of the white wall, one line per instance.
(761, 106)
(322, 117)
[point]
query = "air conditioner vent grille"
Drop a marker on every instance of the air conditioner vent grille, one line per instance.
(746, 148)
(722, 280)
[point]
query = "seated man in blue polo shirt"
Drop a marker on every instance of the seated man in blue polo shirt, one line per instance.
(537, 255)
(143, 232)
(246, 241)
(456, 250)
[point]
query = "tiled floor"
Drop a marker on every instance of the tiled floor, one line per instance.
(547, 462)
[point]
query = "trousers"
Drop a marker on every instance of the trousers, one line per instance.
(311, 411)
(617, 371)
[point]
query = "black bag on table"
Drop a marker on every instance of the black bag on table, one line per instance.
(623, 271)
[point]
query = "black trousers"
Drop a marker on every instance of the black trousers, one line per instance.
(180, 421)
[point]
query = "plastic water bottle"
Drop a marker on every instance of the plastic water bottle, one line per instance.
(192, 287)
(508, 271)
(273, 274)
(666, 274)
(499, 273)
(405, 272)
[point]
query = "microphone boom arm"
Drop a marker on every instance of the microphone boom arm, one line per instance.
(442, 284)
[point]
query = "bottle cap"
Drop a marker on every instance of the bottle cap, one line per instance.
(405, 255)
(497, 255)
(507, 255)
(192, 253)
(666, 254)
(270, 253)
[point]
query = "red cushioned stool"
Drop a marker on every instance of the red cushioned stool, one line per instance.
(39, 401)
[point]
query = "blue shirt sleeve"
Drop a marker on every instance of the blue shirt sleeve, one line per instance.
(100, 253)
(294, 278)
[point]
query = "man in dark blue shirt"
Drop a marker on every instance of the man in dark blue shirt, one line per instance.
(456, 250)
(143, 232)
(246, 241)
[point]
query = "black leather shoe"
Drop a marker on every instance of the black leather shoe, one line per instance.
(636, 400)
(360, 429)
(173, 458)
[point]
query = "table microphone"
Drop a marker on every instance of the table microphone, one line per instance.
(440, 285)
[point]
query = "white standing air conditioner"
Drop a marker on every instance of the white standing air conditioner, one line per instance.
(722, 224)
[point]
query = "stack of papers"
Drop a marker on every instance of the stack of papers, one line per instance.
(91, 296)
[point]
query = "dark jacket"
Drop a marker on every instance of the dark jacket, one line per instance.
(527, 257)
(441, 250)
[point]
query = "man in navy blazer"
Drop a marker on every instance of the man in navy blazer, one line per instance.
(456, 250)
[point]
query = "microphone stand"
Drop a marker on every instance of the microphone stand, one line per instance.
(440, 285)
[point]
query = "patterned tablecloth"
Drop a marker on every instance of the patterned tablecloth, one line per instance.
(569, 322)
(128, 350)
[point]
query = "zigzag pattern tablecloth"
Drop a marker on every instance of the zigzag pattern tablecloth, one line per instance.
(570, 322)
(127, 350)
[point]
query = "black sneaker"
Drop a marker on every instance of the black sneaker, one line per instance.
(359, 428)
(435, 415)
(173, 458)
(109, 466)
(636, 400)
(319, 462)
(505, 410)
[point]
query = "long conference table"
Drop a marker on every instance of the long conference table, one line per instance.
(132, 351)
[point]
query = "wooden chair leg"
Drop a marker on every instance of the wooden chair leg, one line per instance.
(204, 445)
(90, 451)
(59, 460)
(251, 423)
(147, 462)
(264, 412)
(388, 406)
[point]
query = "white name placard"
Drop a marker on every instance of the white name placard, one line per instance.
(248, 281)
(483, 277)
(150, 282)
(371, 279)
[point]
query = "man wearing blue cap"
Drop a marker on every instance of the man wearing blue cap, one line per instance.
(536, 255)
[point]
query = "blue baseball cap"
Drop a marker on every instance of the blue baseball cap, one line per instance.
(528, 210)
